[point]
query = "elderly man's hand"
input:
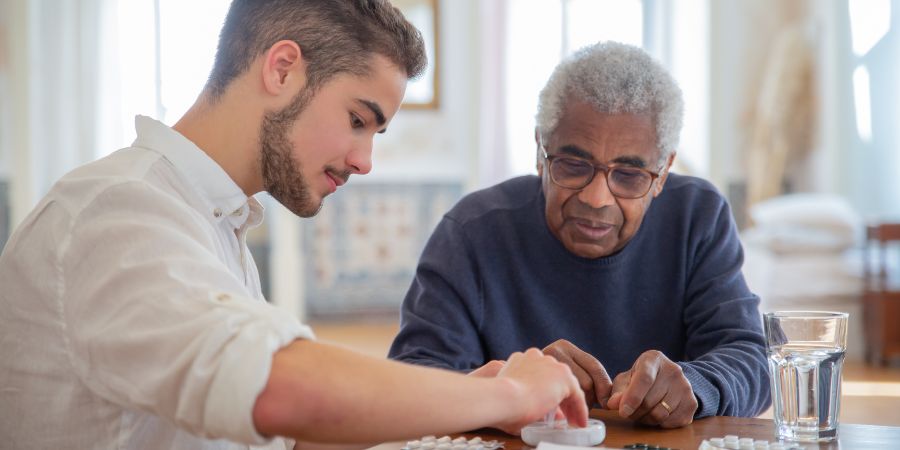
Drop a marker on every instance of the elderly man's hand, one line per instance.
(654, 392)
(591, 375)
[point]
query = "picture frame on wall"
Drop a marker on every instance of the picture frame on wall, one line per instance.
(424, 92)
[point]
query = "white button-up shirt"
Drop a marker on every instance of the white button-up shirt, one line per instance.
(131, 314)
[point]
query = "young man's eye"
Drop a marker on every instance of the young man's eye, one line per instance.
(356, 121)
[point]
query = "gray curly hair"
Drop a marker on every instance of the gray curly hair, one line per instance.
(615, 78)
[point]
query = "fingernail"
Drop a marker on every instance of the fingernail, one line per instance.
(628, 410)
(603, 401)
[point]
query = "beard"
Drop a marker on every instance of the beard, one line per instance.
(281, 175)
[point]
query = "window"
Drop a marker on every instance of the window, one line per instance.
(162, 64)
(873, 67)
(870, 21)
(541, 33)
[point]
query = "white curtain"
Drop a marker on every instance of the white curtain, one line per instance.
(53, 84)
(492, 142)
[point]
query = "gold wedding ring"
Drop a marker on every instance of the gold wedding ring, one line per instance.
(666, 405)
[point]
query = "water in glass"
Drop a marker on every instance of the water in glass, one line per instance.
(806, 388)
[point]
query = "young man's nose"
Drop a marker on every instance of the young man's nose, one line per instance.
(360, 158)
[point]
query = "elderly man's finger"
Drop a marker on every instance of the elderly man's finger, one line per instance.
(618, 388)
(600, 382)
(681, 415)
(651, 403)
(590, 374)
(643, 376)
(659, 412)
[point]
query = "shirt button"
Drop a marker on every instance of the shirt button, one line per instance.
(217, 213)
(223, 297)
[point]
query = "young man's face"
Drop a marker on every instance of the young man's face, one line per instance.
(591, 222)
(331, 139)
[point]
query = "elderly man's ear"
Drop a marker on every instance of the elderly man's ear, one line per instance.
(664, 175)
(538, 160)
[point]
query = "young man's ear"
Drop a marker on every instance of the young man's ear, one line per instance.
(664, 175)
(284, 70)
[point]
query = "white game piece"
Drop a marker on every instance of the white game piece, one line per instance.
(560, 433)
(448, 443)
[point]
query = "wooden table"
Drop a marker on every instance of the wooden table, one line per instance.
(621, 432)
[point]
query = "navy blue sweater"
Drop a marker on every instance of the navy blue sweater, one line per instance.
(493, 280)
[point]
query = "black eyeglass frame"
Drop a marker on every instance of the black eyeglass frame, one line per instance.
(598, 167)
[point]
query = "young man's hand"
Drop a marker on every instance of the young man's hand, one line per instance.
(654, 392)
(542, 384)
(491, 369)
(591, 375)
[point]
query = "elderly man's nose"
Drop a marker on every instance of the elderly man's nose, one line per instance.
(597, 194)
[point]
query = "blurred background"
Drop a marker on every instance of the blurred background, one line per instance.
(791, 111)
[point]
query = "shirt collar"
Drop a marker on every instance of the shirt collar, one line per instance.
(225, 199)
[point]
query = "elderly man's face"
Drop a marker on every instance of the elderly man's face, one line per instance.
(591, 222)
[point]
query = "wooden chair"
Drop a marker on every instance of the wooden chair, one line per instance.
(881, 299)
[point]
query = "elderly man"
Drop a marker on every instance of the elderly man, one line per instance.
(607, 260)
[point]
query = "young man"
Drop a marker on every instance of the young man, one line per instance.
(604, 259)
(131, 314)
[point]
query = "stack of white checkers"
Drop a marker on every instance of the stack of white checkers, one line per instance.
(448, 443)
(738, 443)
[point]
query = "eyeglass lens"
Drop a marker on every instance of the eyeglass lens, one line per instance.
(623, 181)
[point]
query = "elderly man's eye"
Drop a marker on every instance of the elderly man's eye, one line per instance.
(629, 173)
(570, 166)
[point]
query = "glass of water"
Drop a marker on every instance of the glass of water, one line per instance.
(806, 353)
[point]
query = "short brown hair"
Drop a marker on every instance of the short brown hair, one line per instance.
(335, 36)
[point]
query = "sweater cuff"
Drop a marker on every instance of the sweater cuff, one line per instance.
(707, 394)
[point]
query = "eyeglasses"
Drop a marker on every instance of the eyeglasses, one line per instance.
(575, 173)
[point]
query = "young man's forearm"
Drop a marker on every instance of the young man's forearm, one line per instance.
(321, 393)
